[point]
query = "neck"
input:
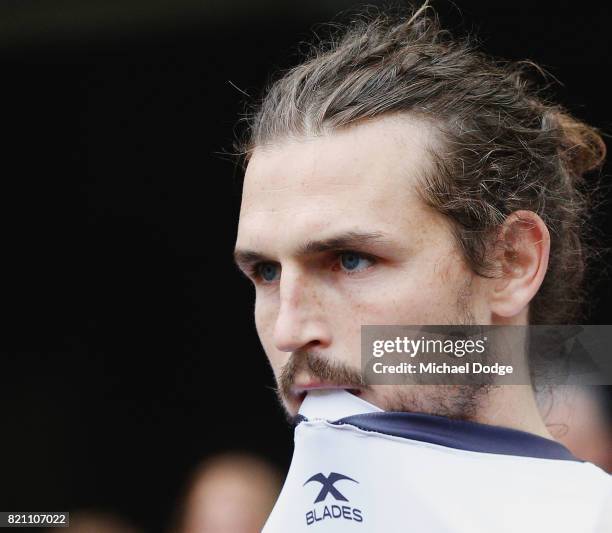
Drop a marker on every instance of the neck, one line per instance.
(513, 406)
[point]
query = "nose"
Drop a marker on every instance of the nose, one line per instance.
(301, 319)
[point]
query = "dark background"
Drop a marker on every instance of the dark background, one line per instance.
(128, 349)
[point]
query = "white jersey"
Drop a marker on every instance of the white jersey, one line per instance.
(356, 468)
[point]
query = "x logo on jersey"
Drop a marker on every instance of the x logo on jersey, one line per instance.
(328, 485)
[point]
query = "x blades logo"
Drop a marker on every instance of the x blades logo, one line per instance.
(344, 512)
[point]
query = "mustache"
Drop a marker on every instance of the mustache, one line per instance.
(318, 367)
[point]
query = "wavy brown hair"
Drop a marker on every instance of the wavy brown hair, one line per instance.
(507, 147)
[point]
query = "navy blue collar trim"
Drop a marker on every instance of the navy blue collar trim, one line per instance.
(458, 434)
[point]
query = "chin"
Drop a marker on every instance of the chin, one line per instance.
(291, 407)
(372, 398)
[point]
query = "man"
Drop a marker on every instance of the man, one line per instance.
(398, 176)
(231, 492)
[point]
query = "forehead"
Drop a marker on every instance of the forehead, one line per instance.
(360, 176)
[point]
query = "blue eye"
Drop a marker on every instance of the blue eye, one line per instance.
(354, 262)
(267, 271)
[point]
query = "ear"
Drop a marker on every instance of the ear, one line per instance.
(522, 251)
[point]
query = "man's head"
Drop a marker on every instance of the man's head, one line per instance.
(400, 177)
(232, 492)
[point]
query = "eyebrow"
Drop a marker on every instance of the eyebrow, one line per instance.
(344, 241)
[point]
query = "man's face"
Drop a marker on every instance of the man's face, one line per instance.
(334, 235)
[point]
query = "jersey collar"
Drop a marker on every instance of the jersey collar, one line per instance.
(339, 407)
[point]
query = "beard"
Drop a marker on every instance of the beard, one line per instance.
(458, 402)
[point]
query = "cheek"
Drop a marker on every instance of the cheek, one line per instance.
(260, 319)
(266, 310)
(421, 294)
(265, 319)
(399, 304)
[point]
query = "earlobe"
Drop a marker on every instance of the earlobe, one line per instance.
(521, 255)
